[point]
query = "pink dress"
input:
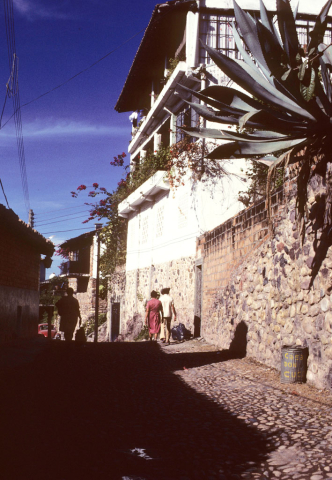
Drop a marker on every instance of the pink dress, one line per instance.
(154, 307)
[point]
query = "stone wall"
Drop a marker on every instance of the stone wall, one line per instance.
(178, 274)
(277, 289)
(116, 295)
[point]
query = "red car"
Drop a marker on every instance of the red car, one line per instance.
(43, 330)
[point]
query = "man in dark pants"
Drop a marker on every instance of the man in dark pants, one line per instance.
(69, 311)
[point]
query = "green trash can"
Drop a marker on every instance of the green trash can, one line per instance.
(294, 364)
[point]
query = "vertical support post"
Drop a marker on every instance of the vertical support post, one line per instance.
(31, 218)
(50, 310)
(98, 226)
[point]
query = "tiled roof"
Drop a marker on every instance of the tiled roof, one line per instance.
(158, 40)
(78, 241)
(9, 219)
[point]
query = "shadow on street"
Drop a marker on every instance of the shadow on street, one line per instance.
(111, 411)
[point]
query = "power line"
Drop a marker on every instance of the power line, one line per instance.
(60, 221)
(74, 76)
(60, 210)
(62, 216)
(63, 231)
(13, 92)
(3, 191)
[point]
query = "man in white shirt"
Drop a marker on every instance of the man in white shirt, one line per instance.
(168, 310)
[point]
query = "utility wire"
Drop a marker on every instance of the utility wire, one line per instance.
(13, 92)
(3, 191)
(59, 221)
(59, 210)
(62, 216)
(63, 231)
(74, 76)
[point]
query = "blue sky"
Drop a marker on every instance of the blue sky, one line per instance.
(71, 134)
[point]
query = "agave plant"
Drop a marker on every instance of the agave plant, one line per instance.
(289, 100)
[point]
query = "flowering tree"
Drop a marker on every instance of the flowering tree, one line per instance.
(176, 160)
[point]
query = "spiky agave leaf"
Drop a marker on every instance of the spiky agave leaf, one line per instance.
(290, 102)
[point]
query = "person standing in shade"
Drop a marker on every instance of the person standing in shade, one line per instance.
(168, 309)
(153, 315)
(69, 311)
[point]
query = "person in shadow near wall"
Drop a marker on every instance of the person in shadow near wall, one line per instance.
(168, 309)
(69, 311)
(153, 315)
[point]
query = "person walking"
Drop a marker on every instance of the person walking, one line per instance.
(154, 311)
(168, 309)
(69, 311)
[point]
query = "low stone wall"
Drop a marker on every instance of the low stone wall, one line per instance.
(278, 291)
(178, 275)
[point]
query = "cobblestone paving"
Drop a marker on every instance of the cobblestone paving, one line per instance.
(144, 411)
(296, 418)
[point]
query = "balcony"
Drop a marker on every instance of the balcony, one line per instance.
(165, 103)
(74, 268)
(157, 183)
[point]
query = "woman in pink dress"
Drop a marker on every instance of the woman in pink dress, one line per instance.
(154, 310)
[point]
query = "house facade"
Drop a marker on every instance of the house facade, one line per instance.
(164, 222)
(80, 268)
(21, 248)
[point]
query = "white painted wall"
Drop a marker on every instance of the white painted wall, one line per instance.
(192, 35)
(167, 228)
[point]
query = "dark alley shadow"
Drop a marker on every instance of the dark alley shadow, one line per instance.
(85, 411)
(237, 349)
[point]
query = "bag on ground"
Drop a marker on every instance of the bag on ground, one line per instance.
(80, 335)
(180, 333)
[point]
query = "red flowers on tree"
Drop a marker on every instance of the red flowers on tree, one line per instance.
(62, 252)
(119, 160)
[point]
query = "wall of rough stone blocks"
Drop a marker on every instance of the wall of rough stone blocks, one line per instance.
(116, 295)
(178, 275)
(277, 287)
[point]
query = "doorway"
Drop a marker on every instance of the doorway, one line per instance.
(115, 321)
(198, 299)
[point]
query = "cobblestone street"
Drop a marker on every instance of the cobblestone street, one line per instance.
(146, 411)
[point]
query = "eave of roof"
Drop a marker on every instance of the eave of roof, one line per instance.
(27, 233)
(149, 43)
(76, 242)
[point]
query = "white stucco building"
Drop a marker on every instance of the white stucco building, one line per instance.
(164, 223)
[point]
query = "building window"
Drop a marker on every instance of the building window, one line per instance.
(160, 221)
(216, 32)
(145, 229)
(186, 118)
(82, 284)
(73, 256)
(303, 28)
(183, 208)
